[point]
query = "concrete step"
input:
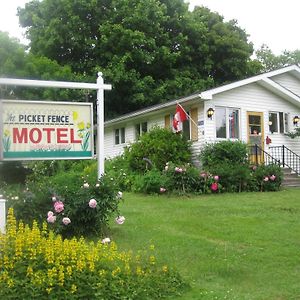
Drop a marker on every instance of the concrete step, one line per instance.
(290, 179)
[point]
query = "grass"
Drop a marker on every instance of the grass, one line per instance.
(227, 246)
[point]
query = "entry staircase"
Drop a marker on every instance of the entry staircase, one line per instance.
(282, 156)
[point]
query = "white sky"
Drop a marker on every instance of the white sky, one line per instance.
(275, 23)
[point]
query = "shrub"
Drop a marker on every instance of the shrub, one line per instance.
(152, 182)
(75, 191)
(183, 179)
(268, 177)
(229, 160)
(118, 169)
(155, 148)
(47, 168)
(12, 172)
(36, 263)
(233, 177)
(224, 152)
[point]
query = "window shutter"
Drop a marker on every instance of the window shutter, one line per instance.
(194, 128)
(167, 121)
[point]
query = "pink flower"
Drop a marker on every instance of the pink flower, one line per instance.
(66, 221)
(203, 174)
(58, 206)
(254, 168)
(106, 240)
(178, 170)
(214, 187)
(50, 213)
(266, 179)
(216, 177)
(120, 220)
(51, 219)
(272, 177)
(92, 203)
(162, 189)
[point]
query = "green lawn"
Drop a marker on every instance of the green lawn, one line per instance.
(228, 246)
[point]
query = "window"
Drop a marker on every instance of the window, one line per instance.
(120, 136)
(227, 122)
(278, 122)
(140, 129)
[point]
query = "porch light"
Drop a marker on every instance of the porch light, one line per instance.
(210, 113)
(296, 120)
(270, 123)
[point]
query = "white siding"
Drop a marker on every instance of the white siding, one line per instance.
(254, 98)
(111, 149)
(288, 81)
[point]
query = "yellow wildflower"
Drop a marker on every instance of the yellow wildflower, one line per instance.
(69, 270)
(29, 271)
(61, 276)
(6, 132)
(88, 125)
(73, 288)
(165, 269)
(139, 271)
(10, 283)
(116, 271)
(152, 260)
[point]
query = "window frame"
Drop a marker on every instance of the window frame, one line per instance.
(120, 136)
(139, 129)
(282, 121)
(228, 109)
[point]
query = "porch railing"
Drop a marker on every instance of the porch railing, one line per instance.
(257, 155)
(287, 157)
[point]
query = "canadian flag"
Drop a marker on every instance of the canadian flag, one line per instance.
(179, 117)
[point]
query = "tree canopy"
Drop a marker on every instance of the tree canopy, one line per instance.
(149, 50)
(269, 61)
(16, 62)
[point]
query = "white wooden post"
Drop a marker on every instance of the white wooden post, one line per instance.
(100, 125)
(2, 215)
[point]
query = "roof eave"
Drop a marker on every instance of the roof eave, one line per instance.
(152, 109)
(280, 91)
(208, 95)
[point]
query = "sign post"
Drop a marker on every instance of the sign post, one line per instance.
(43, 123)
(2, 215)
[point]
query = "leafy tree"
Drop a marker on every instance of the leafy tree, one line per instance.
(270, 61)
(151, 51)
(15, 62)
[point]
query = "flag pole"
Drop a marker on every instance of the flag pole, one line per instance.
(187, 114)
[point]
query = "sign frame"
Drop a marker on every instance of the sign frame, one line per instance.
(99, 86)
(50, 155)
